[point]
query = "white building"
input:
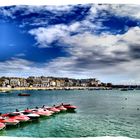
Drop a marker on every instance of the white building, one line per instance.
(5, 83)
(53, 83)
(14, 82)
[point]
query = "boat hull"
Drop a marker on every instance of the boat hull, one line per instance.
(9, 122)
(2, 126)
(22, 94)
(70, 108)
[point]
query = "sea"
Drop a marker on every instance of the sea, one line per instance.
(99, 113)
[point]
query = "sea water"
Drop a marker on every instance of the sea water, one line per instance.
(99, 113)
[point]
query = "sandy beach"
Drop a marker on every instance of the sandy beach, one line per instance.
(49, 88)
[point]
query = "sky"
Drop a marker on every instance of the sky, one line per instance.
(77, 41)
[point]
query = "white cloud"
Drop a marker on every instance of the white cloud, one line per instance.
(121, 10)
(15, 64)
(103, 54)
(132, 36)
(132, 11)
(45, 36)
(5, 12)
(86, 41)
(105, 43)
(27, 9)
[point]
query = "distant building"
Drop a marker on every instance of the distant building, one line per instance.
(58, 83)
(14, 82)
(43, 81)
(23, 83)
(70, 83)
(62, 82)
(37, 82)
(5, 82)
(53, 83)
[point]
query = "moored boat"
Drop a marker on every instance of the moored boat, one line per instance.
(46, 111)
(69, 107)
(42, 113)
(17, 116)
(61, 108)
(9, 121)
(32, 116)
(24, 94)
(54, 109)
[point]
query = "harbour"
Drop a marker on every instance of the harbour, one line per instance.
(69, 70)
(99, 113)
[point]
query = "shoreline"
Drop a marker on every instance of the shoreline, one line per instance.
(52, 88)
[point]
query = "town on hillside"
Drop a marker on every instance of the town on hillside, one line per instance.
(43, 81)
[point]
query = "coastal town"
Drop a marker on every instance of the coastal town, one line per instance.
(46, 82)
(58, 83)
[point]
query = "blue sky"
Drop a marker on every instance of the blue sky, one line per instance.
(80, 41)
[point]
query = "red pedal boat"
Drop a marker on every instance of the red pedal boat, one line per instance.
(70, 107)
(61, 108)
(9, 121)
(54, 109)
(17, 116)
(40, 112)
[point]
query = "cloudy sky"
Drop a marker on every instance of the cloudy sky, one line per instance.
(79, 41)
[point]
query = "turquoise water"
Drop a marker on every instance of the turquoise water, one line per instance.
(99, 113)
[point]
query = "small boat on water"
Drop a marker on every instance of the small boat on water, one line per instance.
(46, 110)
(17, 116)
(61, 108)
(9, 121)
(2, 126)
(69, 107)
(54, 109)
(24, 94)
(41, 113)
(32, 116)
